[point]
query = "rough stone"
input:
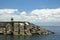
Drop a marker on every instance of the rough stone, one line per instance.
(23, 28)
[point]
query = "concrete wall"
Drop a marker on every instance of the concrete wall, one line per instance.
(15, 29)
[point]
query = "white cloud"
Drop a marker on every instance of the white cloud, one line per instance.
(8, 10)
(47, 14)
(38, 15)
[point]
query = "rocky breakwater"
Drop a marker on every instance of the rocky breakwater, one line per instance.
(31, 29)
(41, 31)
(22, 28)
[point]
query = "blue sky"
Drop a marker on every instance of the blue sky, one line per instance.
(32, 9)
(29, 5)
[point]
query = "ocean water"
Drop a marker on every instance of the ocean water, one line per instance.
(55, 36)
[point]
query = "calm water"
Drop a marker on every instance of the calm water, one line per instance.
(55, 36)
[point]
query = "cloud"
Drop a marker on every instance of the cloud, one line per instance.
(8, 11)
(47, 14)
(37, 15)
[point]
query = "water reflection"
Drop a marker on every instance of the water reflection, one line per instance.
(11, 37)
(21, 37)
(35, 37)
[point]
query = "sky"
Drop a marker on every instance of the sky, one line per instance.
(40, 12)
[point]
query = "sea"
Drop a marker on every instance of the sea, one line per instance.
(55, 29)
